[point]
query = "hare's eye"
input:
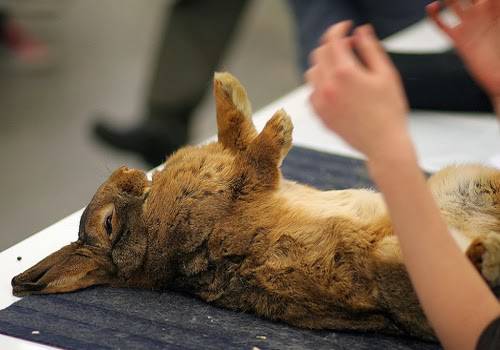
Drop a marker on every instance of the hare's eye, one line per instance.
(108, 225)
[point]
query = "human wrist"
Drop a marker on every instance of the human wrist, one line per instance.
(496, 105)
(393, 146)
(401, 153)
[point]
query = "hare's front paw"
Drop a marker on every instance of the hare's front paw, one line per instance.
(484, 252)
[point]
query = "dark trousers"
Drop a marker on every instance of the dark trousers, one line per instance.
(432, 81)
(192, 45)
(3, 22)
(440, 82)
(198, 32)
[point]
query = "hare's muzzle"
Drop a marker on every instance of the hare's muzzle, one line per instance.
(73, 267)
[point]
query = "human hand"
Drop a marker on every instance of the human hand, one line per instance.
(476, 38)
(361, 99)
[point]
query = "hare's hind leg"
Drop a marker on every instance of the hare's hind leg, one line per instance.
(484, 252)
(469, 198)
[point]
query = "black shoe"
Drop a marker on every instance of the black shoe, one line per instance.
(152, 140)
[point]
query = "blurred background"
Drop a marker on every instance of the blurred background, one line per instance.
(98, 60)
(89, 85)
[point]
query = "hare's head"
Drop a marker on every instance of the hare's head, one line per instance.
(132, 230)
(102, 254)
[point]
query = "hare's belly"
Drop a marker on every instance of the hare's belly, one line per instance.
(360, 204)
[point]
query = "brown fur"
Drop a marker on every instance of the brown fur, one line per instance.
(220, 222)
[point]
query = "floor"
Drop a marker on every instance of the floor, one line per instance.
(101, 57)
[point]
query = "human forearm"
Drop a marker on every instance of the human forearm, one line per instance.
(496, 105)
(450, 290)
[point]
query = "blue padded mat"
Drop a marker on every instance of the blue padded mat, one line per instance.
(105, 318)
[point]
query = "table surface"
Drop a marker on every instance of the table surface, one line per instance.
(440, 138)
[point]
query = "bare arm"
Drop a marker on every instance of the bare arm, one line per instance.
(364, 103)
(455, 299)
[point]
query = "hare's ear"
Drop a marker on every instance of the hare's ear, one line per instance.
(131, 181)
(270, 147)
(234, 114)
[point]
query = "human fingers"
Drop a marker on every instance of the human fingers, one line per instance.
(322, 58)
(433, 12)
(336, 31)
(319, 55)
(369, 48)
(332, 54)
(456, 7)
(494, 6)
(314, 75)
(321, 100)
(471, 7)
(343, 55)
(480, 2)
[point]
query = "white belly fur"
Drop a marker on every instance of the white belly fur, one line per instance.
(358, 204)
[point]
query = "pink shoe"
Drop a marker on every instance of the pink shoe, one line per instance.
(25, 48)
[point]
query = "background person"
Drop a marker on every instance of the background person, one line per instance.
(198, 33)
(18, 43)
(192, 46)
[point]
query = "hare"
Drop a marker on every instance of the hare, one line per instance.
(221, 223)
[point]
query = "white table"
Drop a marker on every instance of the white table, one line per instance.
(441, 139)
